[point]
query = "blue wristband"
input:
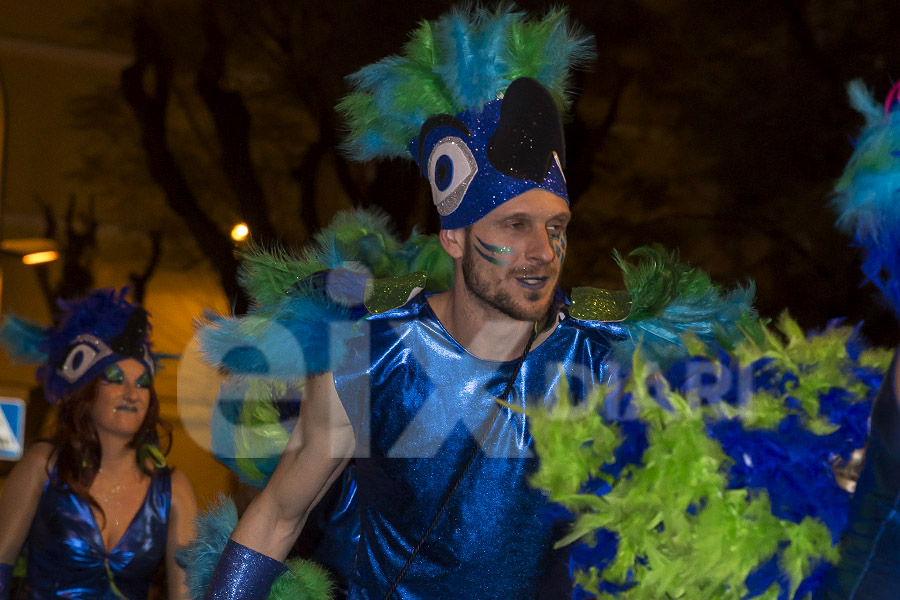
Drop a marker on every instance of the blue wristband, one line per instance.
(6, 572)
(243, 573)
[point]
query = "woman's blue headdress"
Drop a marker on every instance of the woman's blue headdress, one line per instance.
(475, 100)
(867, 196)
(94, 332)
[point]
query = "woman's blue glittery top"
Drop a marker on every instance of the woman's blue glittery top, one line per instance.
(415, 396)
(68, 559)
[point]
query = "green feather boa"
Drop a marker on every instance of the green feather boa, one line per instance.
(682, 533)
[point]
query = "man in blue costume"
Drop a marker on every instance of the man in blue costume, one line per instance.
(430, 391)
(442, 466)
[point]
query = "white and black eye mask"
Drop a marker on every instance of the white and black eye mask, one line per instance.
(87, 351)
(477, 161)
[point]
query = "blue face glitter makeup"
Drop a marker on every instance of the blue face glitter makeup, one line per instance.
(490, 251)
(113, 374)
(559, 243)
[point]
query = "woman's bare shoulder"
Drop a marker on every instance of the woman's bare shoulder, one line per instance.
(41, 454)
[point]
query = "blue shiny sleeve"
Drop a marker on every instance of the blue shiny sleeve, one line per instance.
(6, 572)
(243, 573)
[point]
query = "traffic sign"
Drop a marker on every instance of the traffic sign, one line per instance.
(12, 428)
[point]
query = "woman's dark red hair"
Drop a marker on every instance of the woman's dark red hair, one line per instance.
(76, 446)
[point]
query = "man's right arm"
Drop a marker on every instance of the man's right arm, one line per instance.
(319, 448)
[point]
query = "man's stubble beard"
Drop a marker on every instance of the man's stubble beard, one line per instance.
(499, 299)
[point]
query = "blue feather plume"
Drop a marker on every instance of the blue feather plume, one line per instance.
(23, 340)
(286, 343)
(671, 299)
(711, 317)
(867, 196)
(564, 47)
(461, 61)
(297, 298)
(474, 66)
(200, 556)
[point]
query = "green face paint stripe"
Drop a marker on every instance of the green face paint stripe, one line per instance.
(494, 249)
(491, 259)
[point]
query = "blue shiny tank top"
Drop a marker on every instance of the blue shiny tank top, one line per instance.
(869, 568)
(415, 397)
(67, 557)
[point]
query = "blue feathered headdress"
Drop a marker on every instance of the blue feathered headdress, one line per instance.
(475, 100)
(93, 332)
(867, 196)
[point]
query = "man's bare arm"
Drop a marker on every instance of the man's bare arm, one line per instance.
(318, 450)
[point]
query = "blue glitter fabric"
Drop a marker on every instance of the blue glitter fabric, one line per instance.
(5, 580)
(487, 187)
(869, 568)
(414, 396)
(243, 573)
(67, 557)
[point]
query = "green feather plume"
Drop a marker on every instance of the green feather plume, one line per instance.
(305, 580)
(259, 433)
(358, 240)
(658, 277)
(461, 61)
(672, 303)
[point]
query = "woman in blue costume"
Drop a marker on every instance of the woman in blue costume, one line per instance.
(95, 507)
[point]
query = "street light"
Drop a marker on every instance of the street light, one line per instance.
(37, 258)
(240, 232)
(32, 251)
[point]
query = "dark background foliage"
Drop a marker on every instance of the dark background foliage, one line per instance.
(714, 128)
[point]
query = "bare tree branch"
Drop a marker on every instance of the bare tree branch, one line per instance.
(81, 240)
(805, 37)
(139, 280)
(76, 250)
(149, 108)
(584, 143)
(232, 123)
(42, 270)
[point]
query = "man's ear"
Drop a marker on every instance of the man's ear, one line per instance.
(453, 241)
